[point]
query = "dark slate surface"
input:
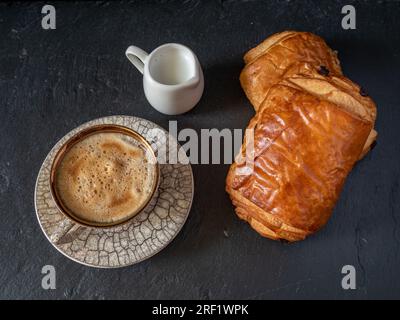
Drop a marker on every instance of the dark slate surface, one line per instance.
(52, 81)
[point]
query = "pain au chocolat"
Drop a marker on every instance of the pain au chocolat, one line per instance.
(333, 88)
(286, 54)
(268, 62)
(309, 130)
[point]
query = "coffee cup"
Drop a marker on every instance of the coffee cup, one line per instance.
(103, 176)
(173, 81)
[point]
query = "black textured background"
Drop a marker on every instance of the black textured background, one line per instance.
(52, 81)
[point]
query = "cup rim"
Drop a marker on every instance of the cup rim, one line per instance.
(67, 145)
(173, 45)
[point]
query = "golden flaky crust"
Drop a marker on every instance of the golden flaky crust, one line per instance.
(267, 63)
(298, 55)
(331, 87)
(304, 147)
(252, 54)
(336, 89)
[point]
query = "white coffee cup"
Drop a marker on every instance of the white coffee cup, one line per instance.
(173, 81)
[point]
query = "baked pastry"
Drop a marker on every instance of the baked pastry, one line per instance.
(268, 62)
(333, 88)
(311, 126)
(304, 148)
(289, 53)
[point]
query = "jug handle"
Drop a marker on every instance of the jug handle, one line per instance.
(137, 56)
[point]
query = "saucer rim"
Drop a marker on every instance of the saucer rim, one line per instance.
(179, 229)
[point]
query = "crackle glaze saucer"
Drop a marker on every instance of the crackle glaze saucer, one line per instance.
(142, 237)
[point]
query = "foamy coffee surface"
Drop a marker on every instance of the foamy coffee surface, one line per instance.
(105, 177)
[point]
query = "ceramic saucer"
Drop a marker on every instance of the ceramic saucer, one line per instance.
(142, 237)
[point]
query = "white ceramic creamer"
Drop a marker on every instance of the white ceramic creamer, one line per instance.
(173, 81)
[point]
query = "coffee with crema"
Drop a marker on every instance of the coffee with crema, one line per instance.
(105, 178)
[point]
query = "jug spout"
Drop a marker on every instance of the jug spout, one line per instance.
(194, 81)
